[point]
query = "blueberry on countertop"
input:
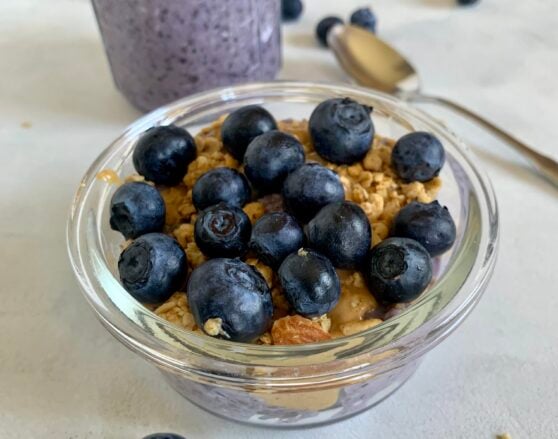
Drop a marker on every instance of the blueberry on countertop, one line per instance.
(398, 270)
(270, 158)
(244, 125)
(230, 299)
(222, 231)
(418, 156)
(136, 209)
(164, 436)
(428, 223)
(221, 184)
(365, 18)
(291, 9)
(324, 26)
(274, 236)
(467, 2)
(309, 188)
(341, 130)
(153, 267)
(341, 232)
(163, 153)
(310, 283)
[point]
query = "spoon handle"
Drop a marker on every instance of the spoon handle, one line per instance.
(543, 165)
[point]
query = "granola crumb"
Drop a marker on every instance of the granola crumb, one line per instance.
(26, 124)
(109, 176)
(503, 436)
(297, 330)
(214, 327)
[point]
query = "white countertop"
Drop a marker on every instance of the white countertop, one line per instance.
(63, 376)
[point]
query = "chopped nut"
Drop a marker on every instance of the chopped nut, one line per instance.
(297, 330)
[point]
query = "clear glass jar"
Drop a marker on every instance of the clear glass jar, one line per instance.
(289, 385)
(161, 50)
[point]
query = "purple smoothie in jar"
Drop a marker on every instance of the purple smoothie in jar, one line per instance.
(161, 50)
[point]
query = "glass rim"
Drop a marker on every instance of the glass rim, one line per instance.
(177, 346)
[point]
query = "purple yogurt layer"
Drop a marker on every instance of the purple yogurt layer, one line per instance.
(161, 50)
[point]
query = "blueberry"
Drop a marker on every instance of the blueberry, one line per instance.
(398, 270)
(429, 224)
(323, 28)
(418, 156)
(341, 232)
(365, 18)
(467, 2)
(310, 283)
(137, 209)
(221, 184)
(309, 188)
(230, 299)
(274, 236)
(153, 267)
(164, 436)
(270, 158)
(341, 130)
(244, 125)
(162, 154)
(291, 9)
(222, 231)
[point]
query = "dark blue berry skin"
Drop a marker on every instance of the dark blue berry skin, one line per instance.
(136, 209)
(244, 125)
(418, 156)
(291, 9)
(341, 130)
(398, 270)
(275, 236)
(309, 188)
(221, 185)
(365, 18)
(153, 267)
(222, 231)
(310, 283)
(164, 436)
(270, 158)
(467, 2)
(341, 232)
(162, 154)
(428, 223)
(234, 292)
(323, 28)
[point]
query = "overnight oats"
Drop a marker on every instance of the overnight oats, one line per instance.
(281, 232)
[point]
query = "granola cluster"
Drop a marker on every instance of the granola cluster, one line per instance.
(372, 184)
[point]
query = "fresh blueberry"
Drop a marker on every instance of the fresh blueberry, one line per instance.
(429, 224)
(418, 156)
(152, 267)
(230, 299)
(323, 28)
(309, 188)
(244, 125)
(467, 2)
(365, 18)
(291, 9)
(162, 154)
(310, 283)
(341, 130)
(398, 270)
(221, 184)
(136, 209)
(222, 231)
(341, 232)
(164, 436)
(274, 236)
(270, 158)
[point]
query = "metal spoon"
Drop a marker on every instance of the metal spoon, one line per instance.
(373, 63)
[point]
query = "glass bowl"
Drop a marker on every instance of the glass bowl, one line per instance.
(301, 385)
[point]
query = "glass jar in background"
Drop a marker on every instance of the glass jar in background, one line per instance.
(161, 50)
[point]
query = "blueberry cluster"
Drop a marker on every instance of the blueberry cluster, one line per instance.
(364, 18)
(317, 233)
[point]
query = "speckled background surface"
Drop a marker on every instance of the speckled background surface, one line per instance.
(63, 376)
